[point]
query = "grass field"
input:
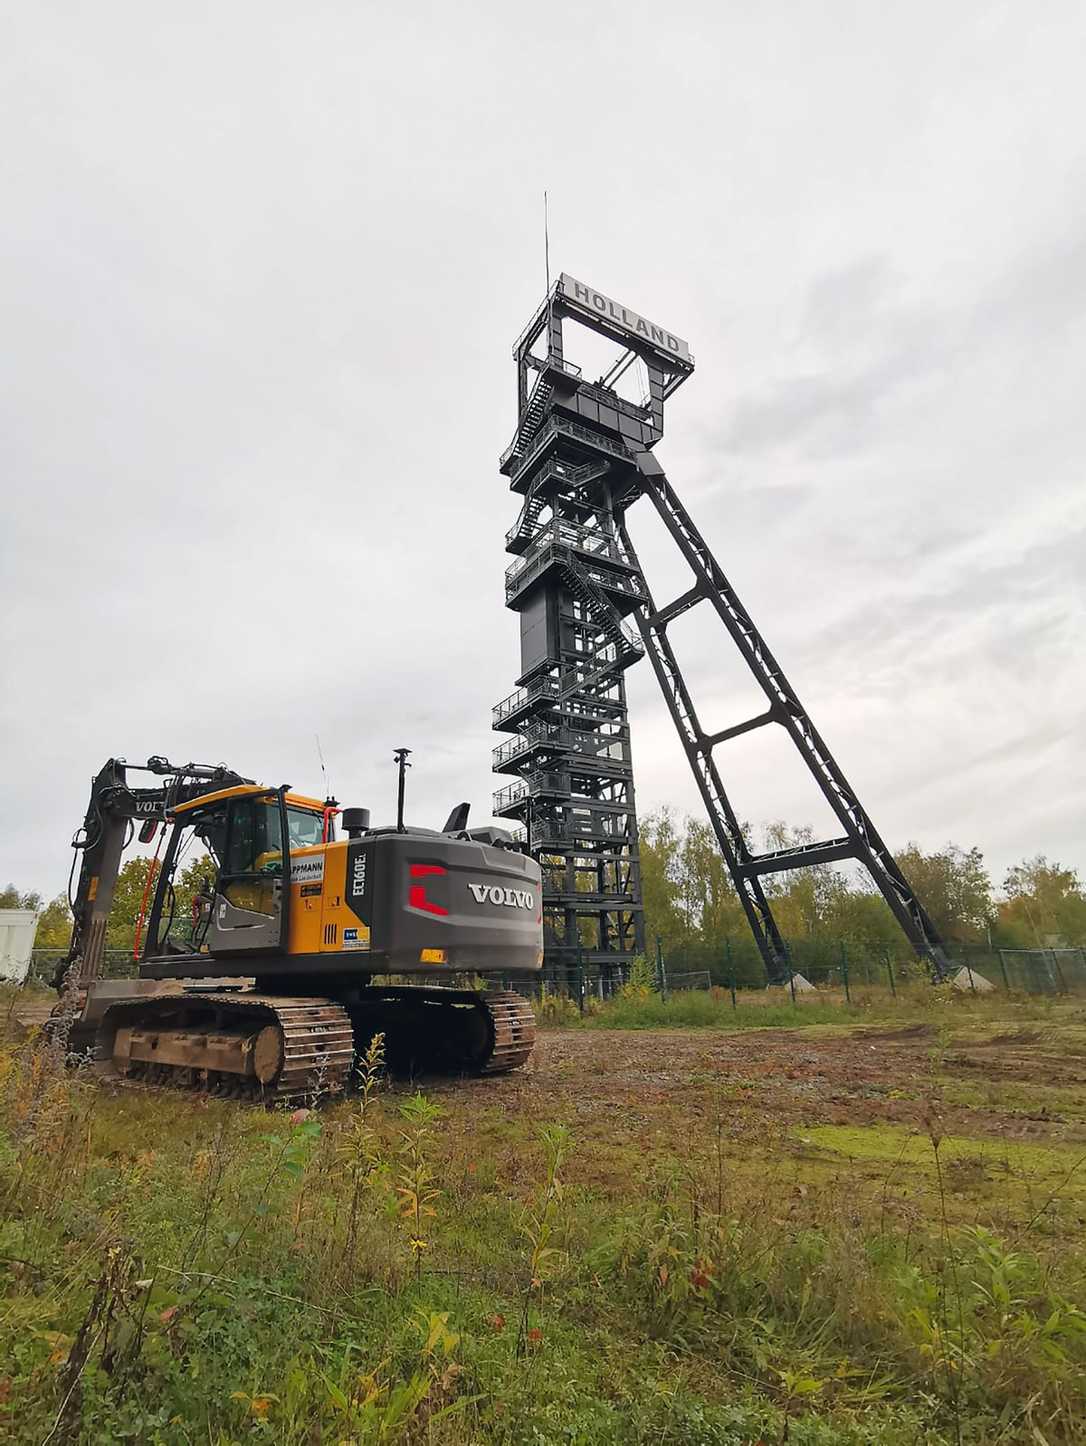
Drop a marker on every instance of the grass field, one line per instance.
(812, 1225)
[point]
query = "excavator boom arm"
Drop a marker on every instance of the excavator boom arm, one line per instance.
(114, 810)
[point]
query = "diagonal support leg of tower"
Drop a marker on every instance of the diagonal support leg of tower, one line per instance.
(729, 835)
(861, 840)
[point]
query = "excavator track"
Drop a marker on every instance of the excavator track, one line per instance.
(453, 1031)
(272, 1049)
(514, 1030)
(262, 1047)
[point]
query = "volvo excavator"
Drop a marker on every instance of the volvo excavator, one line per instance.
(293, 951)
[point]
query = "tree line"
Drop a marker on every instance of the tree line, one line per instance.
(691, 906)
(54, 929)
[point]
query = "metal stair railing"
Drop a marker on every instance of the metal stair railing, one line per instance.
(525, 525)
(584, 586)
(522, 697)
(545, 737)
(596, 545)
(529, 424)
(506, 797)
(572, 430)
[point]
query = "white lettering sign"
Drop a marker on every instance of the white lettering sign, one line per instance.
(358, 876)
(622, 317)
(495, 894)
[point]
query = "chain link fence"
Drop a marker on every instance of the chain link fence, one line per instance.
(836, 964)
(676, 983)
(818, 965)
(1043, 971)
(736, 965)
(116, 964)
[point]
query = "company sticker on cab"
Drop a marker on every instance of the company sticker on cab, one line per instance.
(307, 869)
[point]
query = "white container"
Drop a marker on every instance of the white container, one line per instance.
(17, 930)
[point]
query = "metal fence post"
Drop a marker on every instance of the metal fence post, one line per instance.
(792, 982)
(844, 971)
(731, 967)
(1003, 971)
(969, 971)
(661, 972)
(580, 979)
(890, 971)
(1059, 972)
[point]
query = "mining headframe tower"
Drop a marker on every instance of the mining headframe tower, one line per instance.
(581, 455)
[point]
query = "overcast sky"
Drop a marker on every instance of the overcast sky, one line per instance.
(261, 266)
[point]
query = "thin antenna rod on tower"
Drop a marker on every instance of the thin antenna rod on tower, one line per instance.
(547, 265)
(547, 241)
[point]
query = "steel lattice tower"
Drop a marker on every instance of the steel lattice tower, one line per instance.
(580, 456)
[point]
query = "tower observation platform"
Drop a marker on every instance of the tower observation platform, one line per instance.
(580, 456)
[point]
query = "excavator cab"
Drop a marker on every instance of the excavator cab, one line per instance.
(249, 833)
(247, 904)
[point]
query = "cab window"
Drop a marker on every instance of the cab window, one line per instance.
(255, 844)
(305, 828)
(210, 830)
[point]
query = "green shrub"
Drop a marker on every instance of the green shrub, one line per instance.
(556, 1010)
(390, 1271)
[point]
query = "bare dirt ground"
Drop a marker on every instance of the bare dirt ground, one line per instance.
(1023, 1080)
(852, 1110)
(812, 1076)
(1008, 1090)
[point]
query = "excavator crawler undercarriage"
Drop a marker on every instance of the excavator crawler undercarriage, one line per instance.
(278, 1049)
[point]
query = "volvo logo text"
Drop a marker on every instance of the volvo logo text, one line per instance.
(495, 894)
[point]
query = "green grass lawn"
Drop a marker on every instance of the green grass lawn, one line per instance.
(866, 1230)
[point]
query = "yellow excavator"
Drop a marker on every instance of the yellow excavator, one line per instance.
(299, 944)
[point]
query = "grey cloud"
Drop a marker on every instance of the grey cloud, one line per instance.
(971, 587)
(873, 343)
(843, 306)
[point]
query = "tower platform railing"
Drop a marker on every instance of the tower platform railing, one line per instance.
(523, 698)
(561, 427)
(592, 542)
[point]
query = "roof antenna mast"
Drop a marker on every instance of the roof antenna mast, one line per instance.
(324, 771)
(400, 758)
